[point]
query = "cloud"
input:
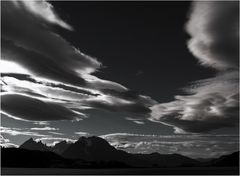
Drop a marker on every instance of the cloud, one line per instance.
(57, 133)
(51, 141)
(18, 131)
(75, 98)
(9, 145)
(31, 109)
(211, 103)
(42, 89)
(136, 120)
(192, 145)
(3, 140)
(45, 129)
(6, 143)
(201, 112)
(35, 40)
(80, 133)
(41, 123)
(44, 10)
(139, 122)
(44, 68)
(116, 104)
(214, 28)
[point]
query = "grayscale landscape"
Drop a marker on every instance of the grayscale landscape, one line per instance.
(119, 87)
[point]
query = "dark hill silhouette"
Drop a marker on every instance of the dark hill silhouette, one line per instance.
(168, 160)
(90, 148)
(33, 145)
(23, 158)
(226, 160)
(97, 149)
(95, 152)
(60, 147)
(18, 157)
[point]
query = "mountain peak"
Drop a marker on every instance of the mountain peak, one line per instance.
(89, 148)
(60, 147)
(30, 144)
(29, 140)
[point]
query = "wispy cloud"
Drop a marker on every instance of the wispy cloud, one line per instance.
(19, 131)
(56, 133)
(44, 10)
(41, 123)
(45, 129)
(82, 133)
(6, 143)
(51, 141)
(136, 120)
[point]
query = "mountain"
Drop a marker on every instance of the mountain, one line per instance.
(97, 149)
(90, 148)
(94, 152)
(226, 160)
(60, 147)
(33, 145)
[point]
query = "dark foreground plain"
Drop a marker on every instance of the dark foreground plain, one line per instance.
(127, 171)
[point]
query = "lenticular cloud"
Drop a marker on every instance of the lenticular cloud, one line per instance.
(41, 67)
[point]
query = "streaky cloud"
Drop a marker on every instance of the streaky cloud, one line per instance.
(53, 71)
(46, 128)
(18, 131)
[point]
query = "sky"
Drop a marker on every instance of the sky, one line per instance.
(146, 76)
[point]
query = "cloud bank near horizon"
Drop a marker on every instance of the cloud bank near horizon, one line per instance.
(195, 146)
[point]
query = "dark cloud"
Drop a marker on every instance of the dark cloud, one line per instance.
(38, 64)
(122, 101)
(131, 96)
(34, 109)
(211, 103)
(119, 105)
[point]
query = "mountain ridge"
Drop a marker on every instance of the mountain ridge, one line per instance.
(97, 150)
